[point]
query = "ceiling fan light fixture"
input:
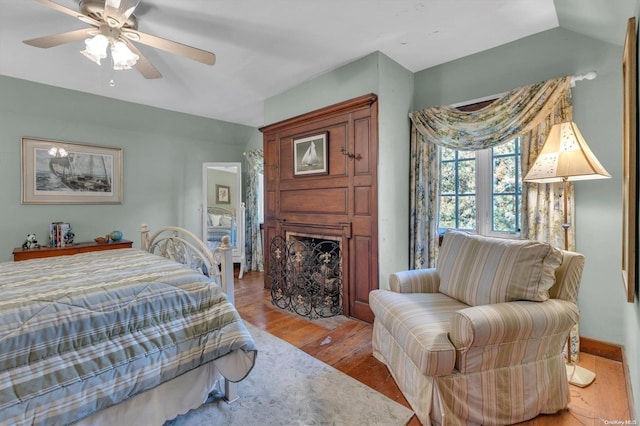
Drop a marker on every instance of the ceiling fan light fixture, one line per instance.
(113, 24)
(96, 48)
(123, 57)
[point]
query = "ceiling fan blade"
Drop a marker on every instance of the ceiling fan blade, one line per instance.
(143, 65)
(171, 46)
(58, 39)
(75, 14)
(117, 12)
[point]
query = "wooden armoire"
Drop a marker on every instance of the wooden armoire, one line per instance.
(338, 199)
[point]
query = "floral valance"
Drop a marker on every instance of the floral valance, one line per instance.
(506, 118)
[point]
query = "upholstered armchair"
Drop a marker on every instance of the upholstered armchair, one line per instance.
(479, 338)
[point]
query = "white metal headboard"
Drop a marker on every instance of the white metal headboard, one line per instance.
(183, 246)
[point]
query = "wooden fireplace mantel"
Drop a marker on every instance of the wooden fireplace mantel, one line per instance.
(317, 229)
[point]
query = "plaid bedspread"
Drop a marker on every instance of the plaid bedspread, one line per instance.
(80, 333)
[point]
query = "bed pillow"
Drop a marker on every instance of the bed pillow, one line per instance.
(480, 270)
(225, 221)
(215, 219)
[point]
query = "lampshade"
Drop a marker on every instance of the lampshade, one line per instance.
(565, 156)
(96, 48)
(123, 57)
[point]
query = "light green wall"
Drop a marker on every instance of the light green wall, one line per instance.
(395, 92)
(350, 81)
(163, 156)
(255, 142)
(393, 84)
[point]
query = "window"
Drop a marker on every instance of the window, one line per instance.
(481, 191)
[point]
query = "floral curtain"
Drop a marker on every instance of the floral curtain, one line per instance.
(424, 201)
(253, 236)
(526, 111)
(542, 205)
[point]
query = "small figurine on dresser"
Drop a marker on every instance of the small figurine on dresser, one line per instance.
(68, 237)
(31, 242)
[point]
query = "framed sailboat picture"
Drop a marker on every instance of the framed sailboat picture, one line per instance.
(310, 155)
(56, 172)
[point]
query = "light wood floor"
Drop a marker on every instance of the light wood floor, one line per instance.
(346, 345)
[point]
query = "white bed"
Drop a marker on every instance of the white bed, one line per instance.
(148, 337)
(225, 222)
(220, 222)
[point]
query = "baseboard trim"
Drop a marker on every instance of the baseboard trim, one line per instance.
(602, 349)
(627, 381)
(613, 352)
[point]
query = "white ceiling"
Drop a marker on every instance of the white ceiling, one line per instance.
(265, 47)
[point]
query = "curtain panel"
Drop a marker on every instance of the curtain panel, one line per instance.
(542, 212)
(424, 201)
(253, 235)
(527, 112)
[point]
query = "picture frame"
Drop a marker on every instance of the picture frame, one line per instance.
(630, 162)
(310, 155)
(223, 194)
(59, 172)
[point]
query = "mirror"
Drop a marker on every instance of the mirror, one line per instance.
(223, 209)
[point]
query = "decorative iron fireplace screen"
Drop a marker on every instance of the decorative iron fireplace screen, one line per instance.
(306, 276)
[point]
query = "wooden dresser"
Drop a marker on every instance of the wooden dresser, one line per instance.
(24, 254)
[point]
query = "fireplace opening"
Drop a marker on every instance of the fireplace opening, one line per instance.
(306, 274)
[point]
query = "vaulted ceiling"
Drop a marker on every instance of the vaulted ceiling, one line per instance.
(266, 47)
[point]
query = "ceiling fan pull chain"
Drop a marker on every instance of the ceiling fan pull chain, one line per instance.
(112, 82)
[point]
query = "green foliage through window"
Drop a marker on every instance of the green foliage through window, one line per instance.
(481, 190)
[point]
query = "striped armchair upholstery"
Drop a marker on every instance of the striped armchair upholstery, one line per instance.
(475, 356)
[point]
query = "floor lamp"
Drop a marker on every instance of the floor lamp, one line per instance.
(565, 156)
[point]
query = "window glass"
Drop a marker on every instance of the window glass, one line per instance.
(481, 191)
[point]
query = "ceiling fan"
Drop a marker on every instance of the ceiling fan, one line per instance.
(114, 26)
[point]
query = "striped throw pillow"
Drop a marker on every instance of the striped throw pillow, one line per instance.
(479, 270)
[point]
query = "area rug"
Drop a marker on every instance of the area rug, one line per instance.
(290, 387)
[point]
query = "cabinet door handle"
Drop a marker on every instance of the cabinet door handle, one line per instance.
(351, 155)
